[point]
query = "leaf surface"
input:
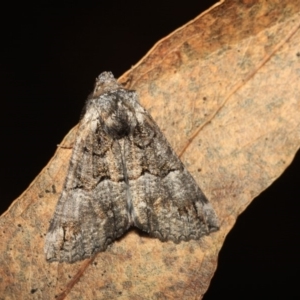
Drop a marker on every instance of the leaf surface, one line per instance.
(224, 89)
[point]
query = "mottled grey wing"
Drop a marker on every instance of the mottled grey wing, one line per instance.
(92, 210)
(167, 202)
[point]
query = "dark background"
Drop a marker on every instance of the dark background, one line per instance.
(50, 56)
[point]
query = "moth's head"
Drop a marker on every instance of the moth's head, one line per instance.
(105, 82)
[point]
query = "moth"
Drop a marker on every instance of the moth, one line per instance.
(123, 173)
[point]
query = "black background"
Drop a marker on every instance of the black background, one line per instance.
(50, 56)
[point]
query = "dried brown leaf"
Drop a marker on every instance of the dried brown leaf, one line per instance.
(224, 89)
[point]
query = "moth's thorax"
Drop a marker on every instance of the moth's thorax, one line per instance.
(121, 121)
(116, 114)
